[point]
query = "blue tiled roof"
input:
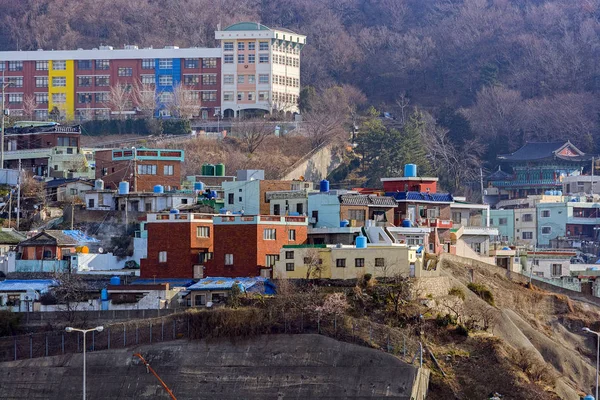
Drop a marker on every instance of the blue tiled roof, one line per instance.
(422, 196)
(23, 285)
(250, 285)
(80, 237)
(174, 282)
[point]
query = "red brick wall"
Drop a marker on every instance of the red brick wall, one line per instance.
(182, 246)
(271, 186)
(413, 186)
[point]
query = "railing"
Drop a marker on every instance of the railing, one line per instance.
(41, 265)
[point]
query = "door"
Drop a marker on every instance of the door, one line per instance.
(411, 213)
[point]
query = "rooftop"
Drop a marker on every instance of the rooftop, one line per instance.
(59, 238)
(10, 236)
(367, 200)
(250, 285)
(18, 285)
(422, 197)
(542, 150)
(60, 182)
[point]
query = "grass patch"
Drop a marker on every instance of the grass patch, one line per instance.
(483, 292)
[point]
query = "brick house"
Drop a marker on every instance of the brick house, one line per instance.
(358, 208)
(146, 167)
(250, 245)
(178, 245)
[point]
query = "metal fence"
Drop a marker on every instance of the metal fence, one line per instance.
(184, 326)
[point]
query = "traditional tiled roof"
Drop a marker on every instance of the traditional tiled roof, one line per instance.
(10, 236)
(367, 200)
(499, 175)
(60, 182)
(541, 150)
(422, 197)
(59, 238)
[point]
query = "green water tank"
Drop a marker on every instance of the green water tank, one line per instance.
(210, 170)
(220, 169)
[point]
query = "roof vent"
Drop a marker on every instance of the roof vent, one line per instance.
(171, 47)
(105, 47)
(130, 47)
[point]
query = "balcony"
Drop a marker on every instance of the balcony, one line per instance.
(438, 223)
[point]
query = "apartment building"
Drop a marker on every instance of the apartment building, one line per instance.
(260, 69)
(77, 84)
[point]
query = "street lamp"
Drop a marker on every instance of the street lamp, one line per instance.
(84, 331)
(588, 330)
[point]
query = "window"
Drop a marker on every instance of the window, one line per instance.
(102, 81)
(203, 231)
(147, 169)
(263, 46)
(125, 71)
(101, 97)
(263, 78)
(209, 63)
(269, 234)
(456, 217)
(263, 58)
(162, 256)
(15, 65)
(84, 64)
(191, 63)
(252, 79)
(252, 46)
(251, 96)
(251, 59)
(165, 63)
(15, 81)
(102, 64)
(228, 80)
(209, 95)
(41, 114)
(289, 255)
(191, 79)
(165, 80)
(167, 170)
(228, 46)
(241, 46)
(67, 141)
(241, 78)
(380, 262)
(148, 79)
(15, 98)
(228, 58)
(41, 98)
(556, 269)
(241, 58)
(340, 262)
(84, 81)
(289, 266)
(200, 300)
(91, 203)
(209, 79)
(59, 81)
(230, 198)
(240, 96)
(527, 217)
(41, 65)
(84, 98)
(545, 213)
(546, 230)
(359, 262)
(527, 235)
(271, 259)
(292, 235)
(358, 215)
(263, 96)
(228, 259)
(228, 96)
(502, 221)
(41, 81)
(148, 63)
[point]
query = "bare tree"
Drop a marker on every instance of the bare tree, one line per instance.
(69, 294)
(144, 98)
(119, 98)
(29, 106)
(185, 103)
(252, 132)
(403, 101)
(313, 263)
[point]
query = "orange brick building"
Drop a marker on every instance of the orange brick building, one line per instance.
(179, 245)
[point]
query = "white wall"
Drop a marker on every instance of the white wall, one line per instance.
(248, 191)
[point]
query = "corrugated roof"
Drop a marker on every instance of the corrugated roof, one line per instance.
(60, 238)
(367, 200)
(172, 282)
(422, 197)
(59, 182)
(17, 285)
(251, 285)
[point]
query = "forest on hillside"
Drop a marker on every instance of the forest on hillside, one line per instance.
(495, 72)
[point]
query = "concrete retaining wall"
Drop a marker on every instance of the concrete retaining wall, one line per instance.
(316, 165)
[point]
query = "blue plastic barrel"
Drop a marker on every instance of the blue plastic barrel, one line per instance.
(324, 186)
(406, 223)
(124, 187)
(361, 242)
(115, 280)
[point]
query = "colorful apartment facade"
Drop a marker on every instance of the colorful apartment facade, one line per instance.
(256, 68)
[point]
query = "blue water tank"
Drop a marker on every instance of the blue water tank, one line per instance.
(199, 186)
(174, 211)
(406, 223)
(115, 280)
(344, 223)
(222, 210)
(410, 171)
(324, 186)
(548, 192)
(559, 192)
(104, 294)
(213, 194)
(361, 242)
(294, 214)
(124, 187)
(159, 189)
(589, 397)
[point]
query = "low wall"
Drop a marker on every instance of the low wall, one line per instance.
(51, 316)
(316, 165)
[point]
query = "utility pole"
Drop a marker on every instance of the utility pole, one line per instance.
(593, 166)
(481, 182)
(19, 197)
(72, 212)
(10, 208)
(135, 188)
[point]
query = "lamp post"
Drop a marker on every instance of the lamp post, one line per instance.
(84, 331)
(588, 330)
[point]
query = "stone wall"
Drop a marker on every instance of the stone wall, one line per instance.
(316, 165)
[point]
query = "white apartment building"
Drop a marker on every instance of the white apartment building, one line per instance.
(260, 69)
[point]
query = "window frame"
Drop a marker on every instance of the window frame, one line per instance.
(340, 263)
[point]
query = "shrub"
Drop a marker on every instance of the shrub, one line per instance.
(48, 298)
(445, 320)
(9, 323)
(458, 292)
(483, 292)
(462, 330)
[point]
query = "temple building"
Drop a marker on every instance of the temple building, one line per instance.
(534, 169)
